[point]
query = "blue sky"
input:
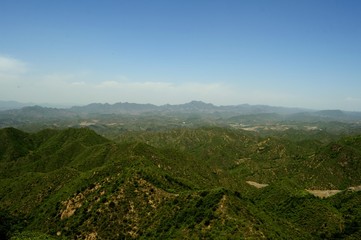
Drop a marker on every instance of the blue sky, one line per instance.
(285, 53)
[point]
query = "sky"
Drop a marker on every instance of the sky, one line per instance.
(275, 52)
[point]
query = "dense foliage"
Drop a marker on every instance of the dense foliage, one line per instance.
(179, 183)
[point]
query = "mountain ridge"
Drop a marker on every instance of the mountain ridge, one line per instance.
(194, 104)
(196, 111)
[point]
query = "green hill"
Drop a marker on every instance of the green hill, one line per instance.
(203, 183)
(14, 144)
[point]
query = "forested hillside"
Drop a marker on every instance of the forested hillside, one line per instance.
(210, 182)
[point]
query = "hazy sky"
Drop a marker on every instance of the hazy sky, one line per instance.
(286, 53)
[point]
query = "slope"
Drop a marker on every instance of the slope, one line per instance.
(179, 184)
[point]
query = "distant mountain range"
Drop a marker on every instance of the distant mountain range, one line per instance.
(194, 107)
(126, 107)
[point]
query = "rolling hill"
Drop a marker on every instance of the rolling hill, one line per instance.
(178, 183)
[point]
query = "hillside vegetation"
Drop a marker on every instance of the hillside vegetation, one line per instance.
(179, 183)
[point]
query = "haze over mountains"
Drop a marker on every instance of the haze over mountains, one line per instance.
(192, 106)
(15, 109)
(7, 105)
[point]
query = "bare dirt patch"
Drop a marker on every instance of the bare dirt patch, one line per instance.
(355, 189)
(323, 193)
(256, 184)
(329, 193)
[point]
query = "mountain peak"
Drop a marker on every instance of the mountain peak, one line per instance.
(199, 103)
